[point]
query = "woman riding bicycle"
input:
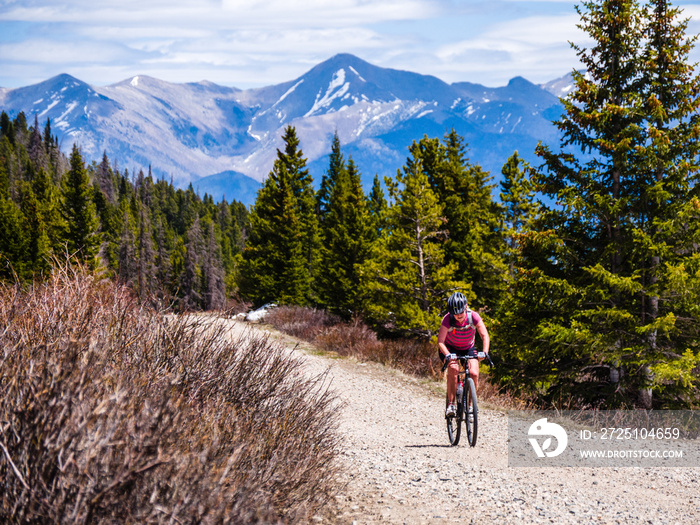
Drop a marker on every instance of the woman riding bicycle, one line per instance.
(456, 336)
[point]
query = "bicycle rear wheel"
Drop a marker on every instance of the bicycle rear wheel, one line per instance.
(470, 401)
(454, 424)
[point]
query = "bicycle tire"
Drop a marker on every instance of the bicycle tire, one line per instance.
(472, 426)
(454, 424)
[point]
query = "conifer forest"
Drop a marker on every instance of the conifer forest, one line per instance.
(585, 267)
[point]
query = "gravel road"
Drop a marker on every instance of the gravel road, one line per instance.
(400, 468)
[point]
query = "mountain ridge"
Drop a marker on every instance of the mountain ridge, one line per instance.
(190, 131)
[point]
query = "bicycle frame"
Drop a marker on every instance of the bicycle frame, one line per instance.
(467, 408)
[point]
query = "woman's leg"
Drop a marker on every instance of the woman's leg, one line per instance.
(474, 371)
(452, 372)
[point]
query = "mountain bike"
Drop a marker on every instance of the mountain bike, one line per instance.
(467, 408)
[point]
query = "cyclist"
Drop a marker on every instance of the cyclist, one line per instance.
(456, 337)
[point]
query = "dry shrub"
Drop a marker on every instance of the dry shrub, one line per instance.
(304, 323)
(236, 305)
(113, 413)
(413, 356)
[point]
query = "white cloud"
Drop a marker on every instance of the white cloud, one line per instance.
(534, 47)
(42, 51)
(227, 13)
(258, 42)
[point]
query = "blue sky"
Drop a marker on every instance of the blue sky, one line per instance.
(251, 43)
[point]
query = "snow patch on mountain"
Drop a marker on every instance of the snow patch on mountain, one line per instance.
(336, 89)
(355, 71)
(288, 92)
(562, 86)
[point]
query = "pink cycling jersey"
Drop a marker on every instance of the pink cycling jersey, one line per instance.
(458, 340)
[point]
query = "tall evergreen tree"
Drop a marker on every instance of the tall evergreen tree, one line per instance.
(37, 153)
(376, 205)
(14, 241)
(49, 200)
(518, 200)
(191, 280)
(475, 241)
(346, 234)
(330, 178)
(667, 211)
(146, 256)
(213, 273)
(39, 249)
(163, 262)
(405, 278)
(105, 180)
(127, 263)
(583, 324)
(79, 210)
(280, 255)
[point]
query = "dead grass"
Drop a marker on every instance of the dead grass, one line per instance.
(355, 339)
(113, 413)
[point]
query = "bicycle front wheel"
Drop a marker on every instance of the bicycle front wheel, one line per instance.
(471, 411)
(454, 424)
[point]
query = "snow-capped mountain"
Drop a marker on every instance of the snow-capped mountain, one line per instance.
(220, 138)
(562, 86)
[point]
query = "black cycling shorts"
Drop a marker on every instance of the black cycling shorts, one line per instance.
(471, 352)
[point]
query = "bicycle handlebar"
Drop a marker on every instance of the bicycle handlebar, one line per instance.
(467, 357)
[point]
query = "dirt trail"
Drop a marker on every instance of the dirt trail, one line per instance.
(401, 469)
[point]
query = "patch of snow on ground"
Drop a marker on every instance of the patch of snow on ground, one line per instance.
(135, 81)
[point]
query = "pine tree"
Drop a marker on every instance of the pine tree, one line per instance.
(667, 211)
(191, 280)
(79, 210)
(213, 273)
(37, 153)
(330, 178)
(105, 180)
(376, 205)
(585, 322)
(280, 255)
(346, 234)
(405, 278)
(146, 256)
(127, 263)
(518, 200)
(49, 200)
(14, 241)
(163, 262)
(39, 249)
(475, 241)
(7, 128)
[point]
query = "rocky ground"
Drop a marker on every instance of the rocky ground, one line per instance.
(400, 468)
